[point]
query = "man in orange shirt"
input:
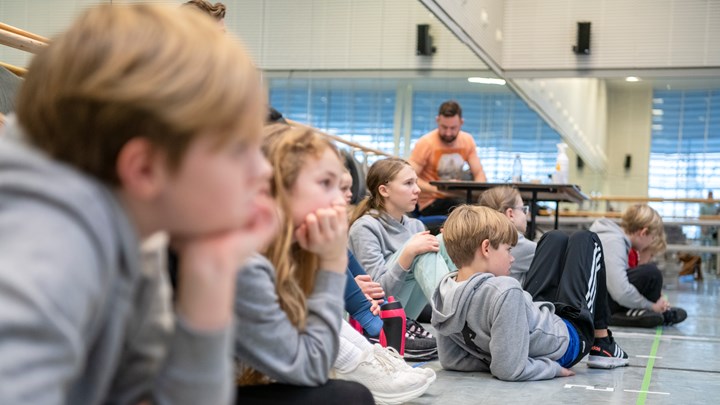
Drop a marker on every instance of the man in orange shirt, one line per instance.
(440, 155)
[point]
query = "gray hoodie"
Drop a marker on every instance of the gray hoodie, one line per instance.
(374, 238)
(489, 323)
(81, 321)
(616, 246)
(273, 345)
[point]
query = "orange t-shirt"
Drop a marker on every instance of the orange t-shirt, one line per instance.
(441, 161)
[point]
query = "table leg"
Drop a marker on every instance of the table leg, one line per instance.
(531, 228)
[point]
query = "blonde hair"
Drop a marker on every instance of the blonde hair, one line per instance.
(500, 198)
(288, 150)
(639, 216)
(163, 73)
(381, 172)
(469, 225)
(216, 11)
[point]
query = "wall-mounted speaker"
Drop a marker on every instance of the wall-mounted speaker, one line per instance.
(628, 162)
(580, 163)
(582, 46)
(424, 44)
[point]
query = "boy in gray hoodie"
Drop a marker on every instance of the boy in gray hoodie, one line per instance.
(138, 119)
(486, 322)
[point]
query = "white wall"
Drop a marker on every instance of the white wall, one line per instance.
(629, 133)
(344, 35)
(625, 34)
(478, 21)
(292, 34)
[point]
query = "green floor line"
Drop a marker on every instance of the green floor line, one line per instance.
(649, 368)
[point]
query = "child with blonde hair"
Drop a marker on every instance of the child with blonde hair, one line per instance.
(635, 295)
(391, 246)
(293, 296)
(110, 145)
(485, 321)
(507, 201)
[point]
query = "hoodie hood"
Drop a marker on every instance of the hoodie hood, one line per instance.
(452, 301)
(608, 229)
(28, 174)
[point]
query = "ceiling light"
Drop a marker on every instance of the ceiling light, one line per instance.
(632, 79)
(486, 80)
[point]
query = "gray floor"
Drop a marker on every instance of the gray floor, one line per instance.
(685, 369)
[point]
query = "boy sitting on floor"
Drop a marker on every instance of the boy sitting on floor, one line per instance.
(486, 322)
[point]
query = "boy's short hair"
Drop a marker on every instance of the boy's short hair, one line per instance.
(163, 73)
(639, 216)
(469, 225)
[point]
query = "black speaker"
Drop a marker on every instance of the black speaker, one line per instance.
(580, 163)
(582, 46)
(628, 162)
(424, 44)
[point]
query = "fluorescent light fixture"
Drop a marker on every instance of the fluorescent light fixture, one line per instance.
(486, 80)
(632, 79)
(657, 111)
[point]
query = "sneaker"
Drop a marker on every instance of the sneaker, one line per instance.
(673, 316)
(642, 318)
(420, 345)
(605, 353)
(413, 330)
(387, 383)
(392, 356)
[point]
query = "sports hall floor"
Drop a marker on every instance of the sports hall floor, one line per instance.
(669, 365)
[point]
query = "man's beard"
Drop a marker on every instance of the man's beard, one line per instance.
(448, 140)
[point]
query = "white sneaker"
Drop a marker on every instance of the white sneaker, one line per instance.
(387, 383)
(395, 359)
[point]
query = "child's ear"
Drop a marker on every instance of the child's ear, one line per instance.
(383, 191)
(141, 168)
(485, 247)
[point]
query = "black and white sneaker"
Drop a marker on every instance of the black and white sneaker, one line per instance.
(420, 345)
(674, 315)
(605, 353)
(641, 318)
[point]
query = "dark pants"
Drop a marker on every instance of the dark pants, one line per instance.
(648, 280)
(332, 392)
(570, 272)
(441, 206)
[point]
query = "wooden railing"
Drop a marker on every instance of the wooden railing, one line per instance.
(20, 39)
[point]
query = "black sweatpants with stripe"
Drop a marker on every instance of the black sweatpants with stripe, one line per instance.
(570, 272)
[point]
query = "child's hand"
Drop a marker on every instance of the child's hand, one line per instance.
(209, 264)
(325, 233)
(374, 305)
(369, 287)
(566, 372)
(423, 242)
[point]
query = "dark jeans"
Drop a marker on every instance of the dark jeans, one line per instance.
(570, 272)
(441, 206)
(648, 280)
(332, 392)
